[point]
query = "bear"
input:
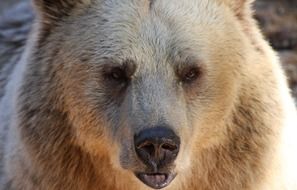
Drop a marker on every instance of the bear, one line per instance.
(147, 94)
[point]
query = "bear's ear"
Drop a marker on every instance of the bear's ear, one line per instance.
(239, 7)
(53, 10)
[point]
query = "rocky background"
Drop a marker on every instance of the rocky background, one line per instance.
(277, 18)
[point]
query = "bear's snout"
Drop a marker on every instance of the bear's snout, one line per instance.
(157, 147)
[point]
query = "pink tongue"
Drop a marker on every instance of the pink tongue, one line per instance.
(156, 178)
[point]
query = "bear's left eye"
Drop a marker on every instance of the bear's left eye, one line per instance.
(189, 75)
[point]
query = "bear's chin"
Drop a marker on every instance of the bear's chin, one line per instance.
(156, 180)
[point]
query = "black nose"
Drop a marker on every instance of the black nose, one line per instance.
(157, 147)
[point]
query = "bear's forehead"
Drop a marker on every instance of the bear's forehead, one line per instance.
(167, 21)
(127, 29)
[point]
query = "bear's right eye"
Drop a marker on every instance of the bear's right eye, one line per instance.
(117, 74)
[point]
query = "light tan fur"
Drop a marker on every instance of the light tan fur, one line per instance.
(69, 129)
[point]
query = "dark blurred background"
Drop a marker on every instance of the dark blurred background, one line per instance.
(5, 4)
(277, 18)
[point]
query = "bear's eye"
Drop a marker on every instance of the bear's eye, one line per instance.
(190, 75)
(117, 74)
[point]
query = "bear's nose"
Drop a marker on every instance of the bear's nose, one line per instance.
(157, 147)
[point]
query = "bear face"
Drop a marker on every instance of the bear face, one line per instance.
(115, 71)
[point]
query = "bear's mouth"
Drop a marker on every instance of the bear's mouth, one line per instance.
(156, 180)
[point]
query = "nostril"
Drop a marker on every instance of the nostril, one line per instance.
(147, 147)
(169, 147)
